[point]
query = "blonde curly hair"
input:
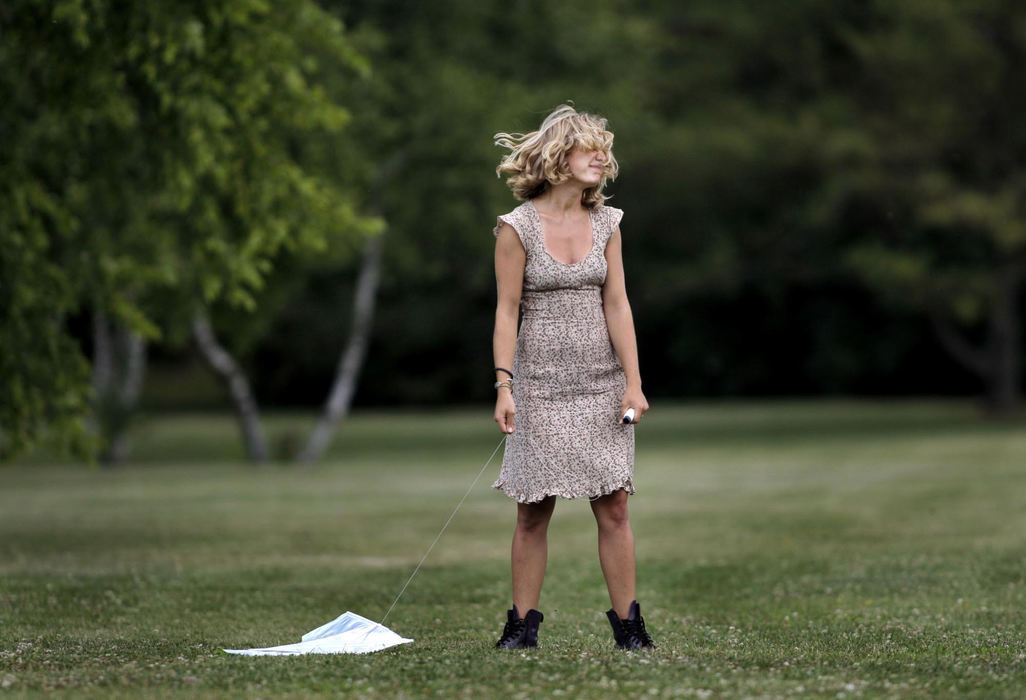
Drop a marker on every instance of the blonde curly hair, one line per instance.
(537, 160)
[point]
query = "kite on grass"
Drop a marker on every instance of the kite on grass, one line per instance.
(348, 633)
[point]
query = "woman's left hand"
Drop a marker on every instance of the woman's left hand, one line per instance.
(634, 398)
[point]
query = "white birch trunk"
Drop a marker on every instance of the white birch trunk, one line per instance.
(348, 373)
(119, 367)
(246, 410)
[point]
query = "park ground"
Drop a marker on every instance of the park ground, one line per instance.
(792, 548)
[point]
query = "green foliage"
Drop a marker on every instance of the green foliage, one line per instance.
(448, 75)
(937, 95)
(155, 157)
(798, 177)
(753, 164)
(41, 370)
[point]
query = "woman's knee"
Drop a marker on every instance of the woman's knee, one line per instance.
(534, 517)
(611, 511)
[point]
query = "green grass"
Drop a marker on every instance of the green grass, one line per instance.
(833, 549)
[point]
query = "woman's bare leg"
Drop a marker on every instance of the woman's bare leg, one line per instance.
(616, 549)
(530, 552)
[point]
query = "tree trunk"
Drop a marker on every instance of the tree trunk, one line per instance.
(973, 359)
(246, 410)
(348, 373)
(998, 363)
(1003, 383)
(119, 366)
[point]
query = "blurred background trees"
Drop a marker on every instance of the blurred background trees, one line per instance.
(155, 160)
(821, 198)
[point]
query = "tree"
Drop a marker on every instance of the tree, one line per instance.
(811, 148)
(155, 159)
(940, 95)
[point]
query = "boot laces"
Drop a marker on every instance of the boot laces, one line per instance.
(635, 634)
(514, 629)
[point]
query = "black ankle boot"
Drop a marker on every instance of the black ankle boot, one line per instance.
(520, 633)
(630, 633)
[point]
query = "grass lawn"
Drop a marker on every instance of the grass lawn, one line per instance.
(832, 549)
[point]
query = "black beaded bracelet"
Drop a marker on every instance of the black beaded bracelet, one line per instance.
(503, 369)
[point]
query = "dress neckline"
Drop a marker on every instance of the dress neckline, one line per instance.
(541, 235)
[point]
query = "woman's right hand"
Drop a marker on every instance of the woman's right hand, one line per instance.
(504, 410)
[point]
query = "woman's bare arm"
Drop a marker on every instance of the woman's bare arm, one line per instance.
(620, 322)
(510, 260)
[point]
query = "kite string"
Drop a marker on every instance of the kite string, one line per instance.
(439, 535)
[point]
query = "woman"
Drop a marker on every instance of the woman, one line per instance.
(566, 381)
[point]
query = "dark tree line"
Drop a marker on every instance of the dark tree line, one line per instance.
(820, 197)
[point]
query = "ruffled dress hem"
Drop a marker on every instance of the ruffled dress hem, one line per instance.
(604, 490)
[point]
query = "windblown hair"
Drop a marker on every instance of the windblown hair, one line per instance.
(537, 160)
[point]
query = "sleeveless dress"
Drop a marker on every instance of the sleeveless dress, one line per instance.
(569, 440)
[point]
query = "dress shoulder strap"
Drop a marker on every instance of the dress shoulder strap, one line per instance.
(607, 219)
(522, 222)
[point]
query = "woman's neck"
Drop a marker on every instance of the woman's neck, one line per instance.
(563, 199)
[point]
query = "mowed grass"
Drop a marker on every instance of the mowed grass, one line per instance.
(832, 549)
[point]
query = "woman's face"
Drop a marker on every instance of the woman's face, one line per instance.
(587, 166)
